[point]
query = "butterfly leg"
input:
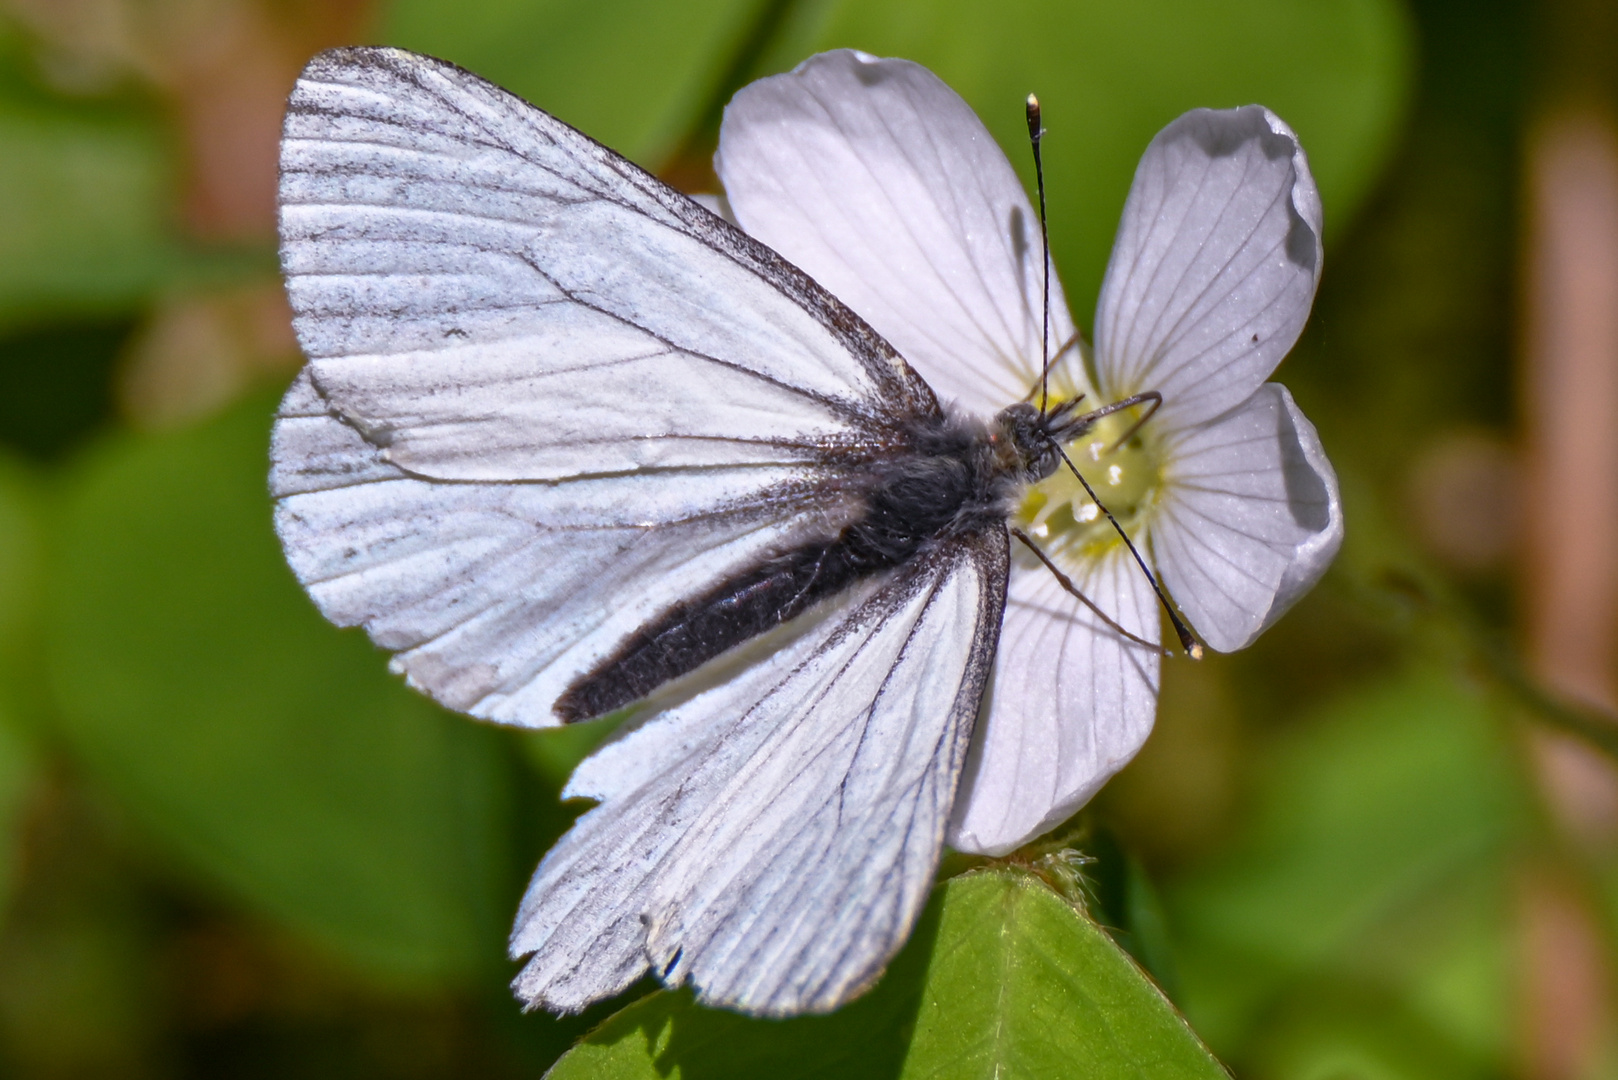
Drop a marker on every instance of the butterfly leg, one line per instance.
(1067, 584)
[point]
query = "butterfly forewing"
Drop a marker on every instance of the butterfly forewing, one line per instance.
(496, 596)
(632, 398)
(463, 266)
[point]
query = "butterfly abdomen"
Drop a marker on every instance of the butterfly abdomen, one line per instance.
(945, 484)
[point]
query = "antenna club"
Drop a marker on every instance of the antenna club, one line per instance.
(1034, 130)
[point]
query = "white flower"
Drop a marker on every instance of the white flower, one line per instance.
(878, 180)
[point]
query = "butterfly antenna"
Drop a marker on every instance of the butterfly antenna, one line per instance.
(1035, 132)
(1188, 641)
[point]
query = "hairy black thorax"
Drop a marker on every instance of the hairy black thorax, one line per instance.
(951, 477)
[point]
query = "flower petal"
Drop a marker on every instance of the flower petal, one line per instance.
(1215, 265)
(1250, 518)
(1070, 702)
(881, 183)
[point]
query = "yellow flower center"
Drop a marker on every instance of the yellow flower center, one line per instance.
(1061, 517)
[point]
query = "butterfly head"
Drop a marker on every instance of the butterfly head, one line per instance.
(1023, 442)
(1116, 451)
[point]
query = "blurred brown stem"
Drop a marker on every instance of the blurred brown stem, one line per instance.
(1447, 625)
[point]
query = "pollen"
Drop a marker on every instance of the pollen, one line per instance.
(1123, 467)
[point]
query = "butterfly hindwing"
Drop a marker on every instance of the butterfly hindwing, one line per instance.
(781, 849)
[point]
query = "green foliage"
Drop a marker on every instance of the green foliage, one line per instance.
(21, 546)
(1374, 869)
(634, 74)
(88, 187)
(1109, 76)
(19, 766)
(90, 191)
(1003, 978)
(273, 752)
(86, 191)
(556, 752)
(21, 552)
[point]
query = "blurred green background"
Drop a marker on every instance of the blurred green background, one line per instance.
(1382, 843)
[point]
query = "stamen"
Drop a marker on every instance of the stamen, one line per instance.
(1188, 642)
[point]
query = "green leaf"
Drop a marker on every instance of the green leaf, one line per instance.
(1336, 1030)
(87, 192)
(88, 188)
(1121, 894)
(1110, 75)
(19, 773)
(1378, 852)
(556, 751)
(21, 546)
(20, 558)
(1002, 978)
(83, 200)
(635, 74)
(269, 749)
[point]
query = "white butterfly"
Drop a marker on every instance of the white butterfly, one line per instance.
(567, 439)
